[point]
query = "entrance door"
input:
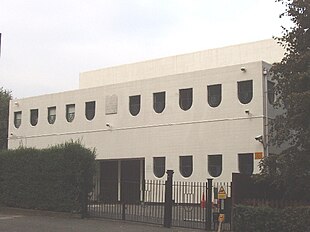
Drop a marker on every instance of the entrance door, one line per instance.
(131, 180)
(109, 181)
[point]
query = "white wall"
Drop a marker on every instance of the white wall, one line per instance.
(200, 131)
(265, 50)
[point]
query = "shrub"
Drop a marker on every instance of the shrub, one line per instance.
(58, 178)
(266, 219)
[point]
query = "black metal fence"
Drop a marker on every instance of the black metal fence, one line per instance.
(168, 203)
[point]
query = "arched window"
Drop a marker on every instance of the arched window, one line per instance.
(215, 165)
(214, 95)
(246, 163)
(186, 165)
(159, 166)
(70, 112)
(134, 104)
(90, 110)
(51, 114)
(34, 116)
(270, 87)
(245, 91)
(159, 101)
(186, 98)
(17, 119)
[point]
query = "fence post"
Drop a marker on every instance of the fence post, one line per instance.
(209, 204)
(168, 199)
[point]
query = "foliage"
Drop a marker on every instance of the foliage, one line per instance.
(290, 170)
(266, 219)
(54, 179)
(5, 97)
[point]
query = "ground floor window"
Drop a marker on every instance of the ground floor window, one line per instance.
(246, 163)
(159, 166)
(186, 165)
(215, 165)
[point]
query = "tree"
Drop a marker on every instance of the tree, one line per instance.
(290, 170)
(5, 97)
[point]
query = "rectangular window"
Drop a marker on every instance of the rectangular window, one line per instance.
(246, 163)
(51, 114)
(70, 112)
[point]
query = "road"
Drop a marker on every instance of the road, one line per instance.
(17, 220)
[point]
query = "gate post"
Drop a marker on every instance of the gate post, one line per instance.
(209, 205)
(168, 199)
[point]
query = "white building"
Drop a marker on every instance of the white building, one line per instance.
(197, 113)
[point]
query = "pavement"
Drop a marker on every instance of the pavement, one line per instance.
(21, 220)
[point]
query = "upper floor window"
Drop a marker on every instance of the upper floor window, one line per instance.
(134, 104)
(90, 109)
(215, 165)
(17, 119)
(246, 163)
(159, 166)
(270, 88)
(159, 101)
(214, 95)
(186, 98)
(245, 91)
(186, 165)
(34, 116)
(70, 112)
(51, 114)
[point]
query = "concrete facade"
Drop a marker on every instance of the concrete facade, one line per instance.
(228, 129)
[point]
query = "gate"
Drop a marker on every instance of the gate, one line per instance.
(168, 203)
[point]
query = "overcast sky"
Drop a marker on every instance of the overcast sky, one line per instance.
(47, 43)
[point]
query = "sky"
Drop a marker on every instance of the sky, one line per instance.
(46, 44)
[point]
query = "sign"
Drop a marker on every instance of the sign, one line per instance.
(111, 104)
(259, 155)
(221, 217)
(222, 194)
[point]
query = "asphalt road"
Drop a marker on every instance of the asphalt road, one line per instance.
(17, 220)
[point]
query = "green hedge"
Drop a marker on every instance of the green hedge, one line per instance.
(266, 219)
(58, 178)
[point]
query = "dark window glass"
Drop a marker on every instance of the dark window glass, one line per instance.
(90, 109)
(270, 86)
(186, 165)
(51, 114)
(245, 91)
(185, 98)
(159, 166)
(159, 101)
(34, 116)
(17, 119)
(134, 104)
(215, 165)
(70, 112)
(214, 95)
(246, 163)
